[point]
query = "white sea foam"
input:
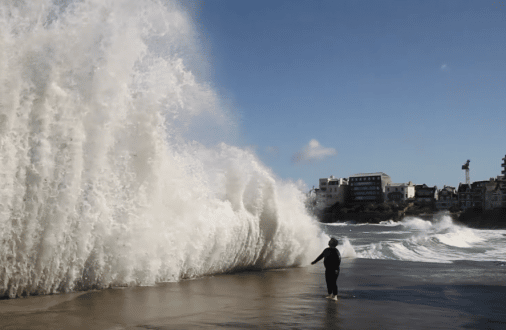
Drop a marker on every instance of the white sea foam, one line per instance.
(416, 223)
(346, 248)
(440, 241)
(338, 224)
(98, 185)
(389, 223)
(460, 237)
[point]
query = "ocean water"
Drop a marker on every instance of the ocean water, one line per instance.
(438, 240)
(456, 272)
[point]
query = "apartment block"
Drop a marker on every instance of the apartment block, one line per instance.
(368, 187)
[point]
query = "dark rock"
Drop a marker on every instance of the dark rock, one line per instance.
(375, 213)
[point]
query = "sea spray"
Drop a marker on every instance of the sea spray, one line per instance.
(98, 186)
(440, 240)
(346, 249)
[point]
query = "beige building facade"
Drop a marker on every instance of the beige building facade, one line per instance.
(333, 190)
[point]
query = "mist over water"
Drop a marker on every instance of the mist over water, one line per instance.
(98, 185)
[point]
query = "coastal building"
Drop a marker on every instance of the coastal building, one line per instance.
(495, 190)
(426, 194)
(503, 168)
(399, 191)
(493, 194)
(502, 183)
(465, 196)
(472, 195)
(447, 198)
(478, 193)
(333, 190)
(368, 187)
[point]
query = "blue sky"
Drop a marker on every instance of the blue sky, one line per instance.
(409, 88)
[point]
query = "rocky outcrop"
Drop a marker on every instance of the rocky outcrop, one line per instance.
(478, 218)
(372, 213)
(375, 213)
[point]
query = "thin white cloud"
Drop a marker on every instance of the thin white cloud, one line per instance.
(444, 67)
(313, 151)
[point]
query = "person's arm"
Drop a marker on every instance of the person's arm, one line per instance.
(320, 257)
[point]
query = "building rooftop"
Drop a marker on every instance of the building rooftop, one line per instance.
(400, 184)
(369, 174)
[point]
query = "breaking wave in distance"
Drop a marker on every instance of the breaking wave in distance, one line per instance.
(440, 240)
(98, 187)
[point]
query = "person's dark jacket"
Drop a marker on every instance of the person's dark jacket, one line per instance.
(332, 258)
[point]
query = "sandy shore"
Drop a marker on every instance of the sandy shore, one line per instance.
(374, 294)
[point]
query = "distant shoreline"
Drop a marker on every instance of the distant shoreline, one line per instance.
(487, 219)
(376, 213)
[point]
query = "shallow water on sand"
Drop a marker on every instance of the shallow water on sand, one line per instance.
(379, 288)
(379, 294)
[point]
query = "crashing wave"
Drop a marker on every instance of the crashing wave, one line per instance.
(99, 187)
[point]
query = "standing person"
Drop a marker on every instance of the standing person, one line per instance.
(332, 262)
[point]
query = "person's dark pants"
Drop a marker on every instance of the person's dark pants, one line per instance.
(331, 278)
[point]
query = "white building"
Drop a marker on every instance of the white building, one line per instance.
(333, 190)
(399, 191)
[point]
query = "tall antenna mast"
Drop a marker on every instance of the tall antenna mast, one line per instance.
(466, 168)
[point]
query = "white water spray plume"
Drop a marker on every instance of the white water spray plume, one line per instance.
(97, 186)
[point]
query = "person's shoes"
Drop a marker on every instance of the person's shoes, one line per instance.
(334, 298)
(329, 296)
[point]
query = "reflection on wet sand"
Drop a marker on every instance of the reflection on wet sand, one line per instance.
(375, 294)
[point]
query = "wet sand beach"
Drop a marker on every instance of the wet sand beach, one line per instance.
(374, 294)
